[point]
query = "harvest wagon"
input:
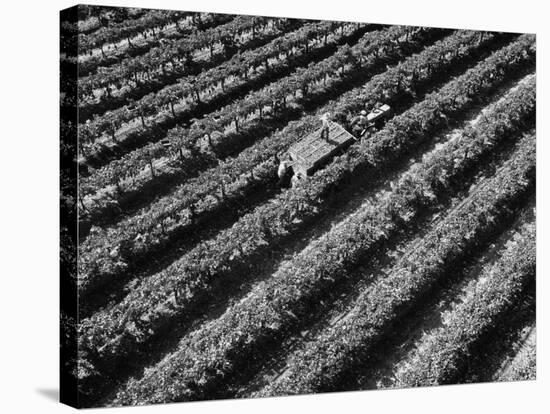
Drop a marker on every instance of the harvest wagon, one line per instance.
(310, 153)
(313, 151)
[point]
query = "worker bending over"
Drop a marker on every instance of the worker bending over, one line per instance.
(360, 124)
(285, 172)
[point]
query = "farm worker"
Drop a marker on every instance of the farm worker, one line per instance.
(191, 214)
(115, 252)
(295, 180)
(284, 172)
(359, 124)
(325, 119)
(283, 166)
(367, 106)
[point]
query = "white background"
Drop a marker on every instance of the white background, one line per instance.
(29, 204)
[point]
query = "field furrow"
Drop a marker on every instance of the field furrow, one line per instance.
(523, 365)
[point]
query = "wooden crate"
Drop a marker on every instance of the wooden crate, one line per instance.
(312, 151)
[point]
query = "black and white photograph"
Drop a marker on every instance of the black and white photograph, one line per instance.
(257, 205)
(275, 206)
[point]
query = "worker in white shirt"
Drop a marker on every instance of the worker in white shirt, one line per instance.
(325, 119)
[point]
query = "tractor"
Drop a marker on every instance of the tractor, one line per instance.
(379, 115)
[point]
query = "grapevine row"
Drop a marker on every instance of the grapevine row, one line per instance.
(126, 28)
(88, 64)
(91, 18)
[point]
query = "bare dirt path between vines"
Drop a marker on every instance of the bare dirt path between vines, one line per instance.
(527, 338)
